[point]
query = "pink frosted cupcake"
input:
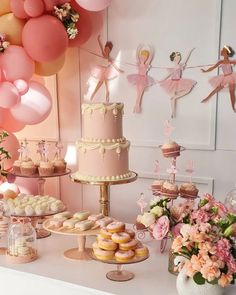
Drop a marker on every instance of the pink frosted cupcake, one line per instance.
(28, 167)
(46, 168)
(16, 167)
(170, 149)
(59, 165)
(157, 184)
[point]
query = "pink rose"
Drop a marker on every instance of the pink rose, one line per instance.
(200, 216)
(161, 228)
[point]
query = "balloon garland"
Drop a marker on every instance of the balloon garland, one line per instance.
(34, 37)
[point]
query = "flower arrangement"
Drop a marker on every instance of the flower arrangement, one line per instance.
(207, 244)
(164, 219)
(69, 17)
(3, 153)
(3, 43)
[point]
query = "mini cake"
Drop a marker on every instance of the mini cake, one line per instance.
(170, 149)
(46, 168)
(59, 165)
(157, 184)
(169, 190)
(188, 190)
(28, 167)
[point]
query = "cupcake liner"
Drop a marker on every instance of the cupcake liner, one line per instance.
(16, 169)
(46, 171)
(60, 169)
(28, 170)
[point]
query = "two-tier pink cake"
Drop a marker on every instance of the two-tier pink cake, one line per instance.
(103, 151)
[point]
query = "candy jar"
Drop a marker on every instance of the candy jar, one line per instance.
(230, 201)
(21, 241)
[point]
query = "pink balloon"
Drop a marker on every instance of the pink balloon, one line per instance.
(10, 144)
(16, 64)
(17, 7)
(8, 123)
(34, 8)
(34, 106)
(44, 38)
(93, 5)
(84, 26)
(9, 95)
(49, 4)
(22, 86)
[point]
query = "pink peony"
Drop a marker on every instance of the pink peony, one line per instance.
(200, 216)
(223, 248)
(161, 227)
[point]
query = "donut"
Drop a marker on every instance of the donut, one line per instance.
(141, 251)
(106, 244)
(121, 237)
(129, 245)
(105, 234)
(130, 232)
(124, 256)
(116, 227)
(103, 254)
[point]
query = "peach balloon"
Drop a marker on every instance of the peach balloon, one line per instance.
(8, 123)
(23, 65)
(9, 95)
(84, 26)
(21, 85)
(44, 38)
(94, 5)
(5, 7)
(34, 8)
(49, 68)
(11, 145)
(17, 7)
(12, 27)
(34, 106)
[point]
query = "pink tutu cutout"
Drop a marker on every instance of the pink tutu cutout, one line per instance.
(223, 80)
(144, 80)
(104, 73)
(176, 86)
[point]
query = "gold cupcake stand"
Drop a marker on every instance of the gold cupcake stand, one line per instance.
(105, 189)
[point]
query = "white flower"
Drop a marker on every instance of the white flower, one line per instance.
(157, 211)
(148, 219)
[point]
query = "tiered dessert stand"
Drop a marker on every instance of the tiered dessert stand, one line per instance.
(38, 220)
(120, 275)
(105, 189)
(81, 252)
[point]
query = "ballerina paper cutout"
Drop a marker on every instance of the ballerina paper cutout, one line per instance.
(142, 80)
(228, 79)
(176, 86)
(102, 74)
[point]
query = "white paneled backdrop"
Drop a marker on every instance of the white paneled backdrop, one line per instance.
(206, 130)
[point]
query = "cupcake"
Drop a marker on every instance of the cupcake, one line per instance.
(46, 168)
(59, 165)
(28, 167)
(169, 190)
(188, 190)
(157, 184)
(170, 149)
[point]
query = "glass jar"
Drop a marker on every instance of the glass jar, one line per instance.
(230, 201)
(21, 241)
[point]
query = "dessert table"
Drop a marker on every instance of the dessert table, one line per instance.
(54, 274)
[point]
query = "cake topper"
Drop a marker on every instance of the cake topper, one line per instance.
(141, 80)
(228, 79)
(176, 86)
(26, 150)
(157, 169)
(142, 203)
(21, 150)
(190, 169)
(102, 74)
(168, 129)
(58, 148)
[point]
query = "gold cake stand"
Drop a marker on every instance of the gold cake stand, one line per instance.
(105, 189)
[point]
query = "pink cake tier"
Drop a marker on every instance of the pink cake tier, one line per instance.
(102, 121)
(103, 152)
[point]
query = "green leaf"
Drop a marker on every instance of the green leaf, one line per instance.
(198, 279)
(213, 282)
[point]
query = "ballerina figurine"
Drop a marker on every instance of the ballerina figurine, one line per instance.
(142, 80)
(228, 79)
(174, 84)
(102, 74)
